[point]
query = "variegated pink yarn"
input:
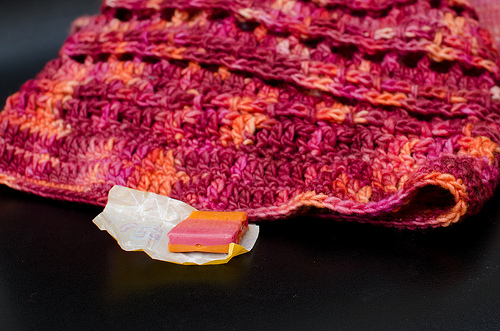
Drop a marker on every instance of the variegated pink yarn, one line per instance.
(380, 111)
(489, 17)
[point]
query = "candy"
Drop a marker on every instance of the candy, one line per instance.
(207, 231)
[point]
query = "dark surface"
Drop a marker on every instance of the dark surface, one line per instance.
(58, 271)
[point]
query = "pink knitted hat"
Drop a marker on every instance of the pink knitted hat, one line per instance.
(380, 111)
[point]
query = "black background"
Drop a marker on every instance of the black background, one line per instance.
(58, 271)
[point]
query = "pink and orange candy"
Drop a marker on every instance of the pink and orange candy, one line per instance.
(208, 231)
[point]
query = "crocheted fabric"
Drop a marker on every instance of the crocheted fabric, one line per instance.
(489, 13)
(380, 111)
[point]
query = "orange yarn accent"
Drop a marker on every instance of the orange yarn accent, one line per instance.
(457, 189)
(440, 54)
(42, 119)
(170, 52)
(223, 72)
(248, 123)
(364, 194)
(335, 113)
(478, 147)
(385, 98)
(309, 198)
(260, 33)
(157, 173)
(455, 24)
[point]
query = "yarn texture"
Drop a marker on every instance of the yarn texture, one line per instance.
(379, 111)
(489, 13)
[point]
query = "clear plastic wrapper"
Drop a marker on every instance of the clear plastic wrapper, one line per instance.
(141, 221)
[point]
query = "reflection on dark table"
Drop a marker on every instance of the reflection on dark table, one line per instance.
(58, 271)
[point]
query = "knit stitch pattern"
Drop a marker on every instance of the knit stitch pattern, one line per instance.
(379, 111)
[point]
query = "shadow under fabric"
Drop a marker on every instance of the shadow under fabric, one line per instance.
(380, 111)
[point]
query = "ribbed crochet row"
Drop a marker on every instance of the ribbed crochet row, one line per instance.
(380, 111)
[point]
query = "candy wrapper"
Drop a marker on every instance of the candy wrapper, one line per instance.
(141, 221)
